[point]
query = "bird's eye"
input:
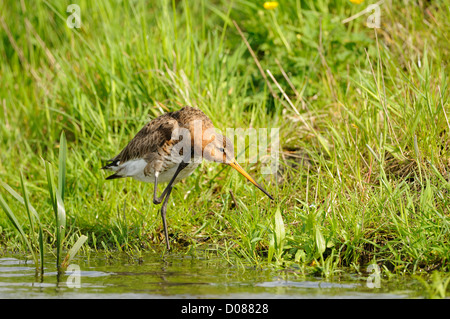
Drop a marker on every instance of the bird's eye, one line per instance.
(222, 149)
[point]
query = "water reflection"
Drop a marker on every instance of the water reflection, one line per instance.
(97, 276)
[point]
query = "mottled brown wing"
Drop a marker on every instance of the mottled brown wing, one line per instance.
(187, 115)
(156, 135)
(149, 139)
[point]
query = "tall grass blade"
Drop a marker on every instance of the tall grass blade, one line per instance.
(61, 211)
(33, 218)
(373, 153)
(19, 198)
(41, 249)
(62, 165)
(9, 213)
(26, 202)
(57, 196)
(51, 186)
(30, 218)
(55, 199)
(60, 226)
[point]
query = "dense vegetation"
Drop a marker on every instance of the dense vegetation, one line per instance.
(364, 126)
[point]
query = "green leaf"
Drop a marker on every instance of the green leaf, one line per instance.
(320, 241)
(300, 255)
(280, 232)
(73, 251)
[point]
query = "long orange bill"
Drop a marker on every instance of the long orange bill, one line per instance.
(238, 167)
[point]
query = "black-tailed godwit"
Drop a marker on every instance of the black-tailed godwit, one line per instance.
(169, 148)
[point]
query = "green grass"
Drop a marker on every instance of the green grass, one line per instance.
(34, 241)
(364, 136)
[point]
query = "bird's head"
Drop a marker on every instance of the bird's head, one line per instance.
(220, 149)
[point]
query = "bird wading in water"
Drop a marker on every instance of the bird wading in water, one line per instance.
(169, 148)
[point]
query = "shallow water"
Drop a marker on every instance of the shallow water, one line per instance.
(172, 276)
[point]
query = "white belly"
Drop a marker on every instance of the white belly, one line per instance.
(135, 169)
(167, 175)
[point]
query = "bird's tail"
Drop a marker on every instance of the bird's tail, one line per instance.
(113, 166)
(114, 176)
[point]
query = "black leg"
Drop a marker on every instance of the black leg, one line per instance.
(158, 200)
(163, 215)
(165, 196)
